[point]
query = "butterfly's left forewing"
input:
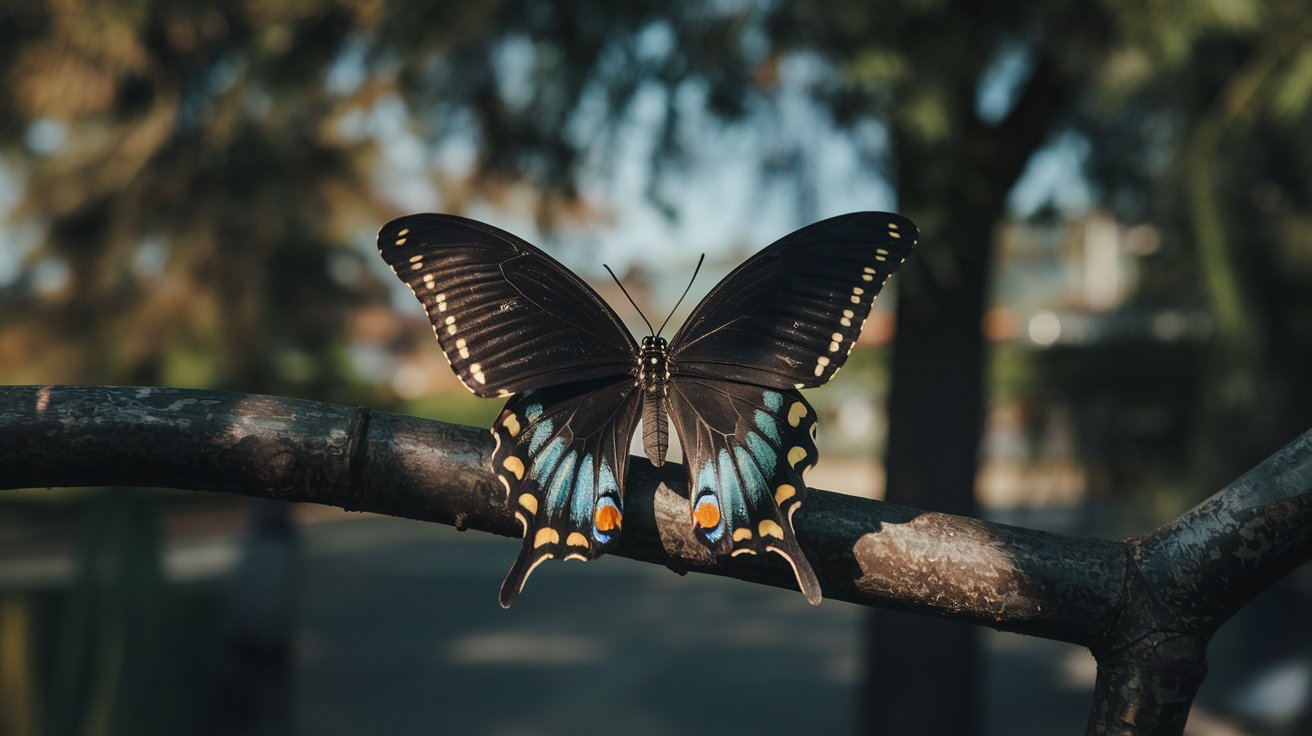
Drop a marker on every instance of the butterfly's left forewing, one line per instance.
(746, 449)
(508, 317)
(561, 454)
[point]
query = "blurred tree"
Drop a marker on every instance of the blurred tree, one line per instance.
(1219, 101)
(181, 164)
(196, 171)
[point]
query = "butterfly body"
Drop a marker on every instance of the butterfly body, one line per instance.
(515, 323)
(653, 382)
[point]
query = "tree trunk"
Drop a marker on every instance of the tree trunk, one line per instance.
(915, 664)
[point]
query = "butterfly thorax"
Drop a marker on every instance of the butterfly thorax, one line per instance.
(652, 378)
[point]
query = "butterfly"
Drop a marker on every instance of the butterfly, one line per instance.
(515, 323)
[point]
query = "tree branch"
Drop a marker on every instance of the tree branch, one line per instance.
(1145, 606)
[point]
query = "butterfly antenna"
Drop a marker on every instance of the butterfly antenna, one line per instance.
(626, 295)
(685, 293)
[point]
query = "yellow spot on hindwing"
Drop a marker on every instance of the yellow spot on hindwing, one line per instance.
(416, 259)
(514, 465)
(784, 492)
(741, 534)
(576, 539)
(416, 266)
(795, 456)
(546, 536)
(795, 413)
(856, 299)
(511, 423)
(528, 502)
(770, 528)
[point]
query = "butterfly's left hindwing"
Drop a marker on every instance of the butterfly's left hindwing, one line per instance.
(561, 454)
(746, 449)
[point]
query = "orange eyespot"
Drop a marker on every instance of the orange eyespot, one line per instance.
(607, 518)
(707, 515)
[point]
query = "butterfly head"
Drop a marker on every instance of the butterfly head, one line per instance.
(654, 344)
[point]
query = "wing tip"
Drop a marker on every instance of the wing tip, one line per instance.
(807, 582)
(810, 586)
(527, 561)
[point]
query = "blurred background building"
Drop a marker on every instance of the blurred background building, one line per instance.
(1108, 318)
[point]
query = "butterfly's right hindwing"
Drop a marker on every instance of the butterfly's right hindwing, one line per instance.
(508, 317)
(746, 449)
(561, 455)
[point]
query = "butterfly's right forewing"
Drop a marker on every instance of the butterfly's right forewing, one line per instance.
(508, 317)
(789, 316)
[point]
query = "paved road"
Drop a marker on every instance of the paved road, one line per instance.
(402, 634)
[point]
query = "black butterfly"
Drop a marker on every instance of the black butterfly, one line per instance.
(514, 322)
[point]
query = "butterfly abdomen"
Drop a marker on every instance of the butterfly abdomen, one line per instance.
(652, 378)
